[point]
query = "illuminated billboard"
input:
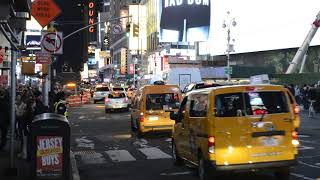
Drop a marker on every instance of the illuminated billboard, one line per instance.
(184, 20)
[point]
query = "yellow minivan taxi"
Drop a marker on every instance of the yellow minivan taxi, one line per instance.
(237, 128)
(151, 107)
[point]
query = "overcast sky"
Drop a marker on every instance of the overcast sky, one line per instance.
(262, 24)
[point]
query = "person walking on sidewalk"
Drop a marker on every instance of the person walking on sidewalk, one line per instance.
(4, 116)
(21, 116)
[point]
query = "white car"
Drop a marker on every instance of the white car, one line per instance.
(100, 93)
(116, 100)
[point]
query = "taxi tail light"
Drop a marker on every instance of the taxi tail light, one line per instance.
(107, 100)
(125, 100)
(296, 109)
(141, 118)
(211, 144)
(294, 134)
(295, 142)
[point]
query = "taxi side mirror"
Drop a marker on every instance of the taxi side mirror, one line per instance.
(174, 115)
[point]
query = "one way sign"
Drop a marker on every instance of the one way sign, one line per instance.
(51, 42)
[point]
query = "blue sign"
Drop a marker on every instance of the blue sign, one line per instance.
(33, 41)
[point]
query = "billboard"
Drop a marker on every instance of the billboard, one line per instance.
(184, 20)
(33, 42)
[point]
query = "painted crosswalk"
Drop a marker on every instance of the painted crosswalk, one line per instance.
(122, 155)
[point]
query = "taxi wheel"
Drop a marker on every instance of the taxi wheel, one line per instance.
(94, 102)
(203, 169)
(140, 134)
(283, 174)
(107, 110)
(177, 160)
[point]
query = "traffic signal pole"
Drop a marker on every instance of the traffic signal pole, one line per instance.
(94, 24)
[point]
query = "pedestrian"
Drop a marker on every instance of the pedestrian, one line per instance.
(21, 116)
(39, 107)
(5, 118)
(297, 94)
(60, 107)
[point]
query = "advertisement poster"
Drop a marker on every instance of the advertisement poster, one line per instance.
(49, 156)
(185, 20)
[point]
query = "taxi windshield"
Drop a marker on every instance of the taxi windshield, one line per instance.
(162, 101)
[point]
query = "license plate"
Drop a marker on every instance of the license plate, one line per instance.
(270, 141)
(153, 118)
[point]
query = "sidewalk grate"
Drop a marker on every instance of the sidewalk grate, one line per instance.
(90, 157)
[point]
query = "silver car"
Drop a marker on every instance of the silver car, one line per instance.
(100, 94)
(116, 100)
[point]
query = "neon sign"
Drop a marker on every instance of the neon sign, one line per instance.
(91, 16)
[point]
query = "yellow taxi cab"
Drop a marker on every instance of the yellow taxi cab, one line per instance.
(151, 107)
(237, 128)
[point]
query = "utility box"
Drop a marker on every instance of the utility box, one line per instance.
(50, 147)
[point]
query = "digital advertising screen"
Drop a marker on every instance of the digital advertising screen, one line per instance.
(184, 20)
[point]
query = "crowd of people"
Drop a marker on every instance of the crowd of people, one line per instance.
(306, 94)
(28, 104)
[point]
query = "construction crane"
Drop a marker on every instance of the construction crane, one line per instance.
(300, 55)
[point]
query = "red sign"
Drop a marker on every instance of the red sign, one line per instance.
(3, 79)
(44, 11)
(43, 58)
(49, 156)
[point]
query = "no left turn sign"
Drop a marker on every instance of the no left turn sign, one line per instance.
(52, 42)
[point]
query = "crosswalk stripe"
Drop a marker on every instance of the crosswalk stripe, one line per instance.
(154, 153)
(120, 155)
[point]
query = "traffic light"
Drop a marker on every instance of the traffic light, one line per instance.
(128, 30)
(135, 30)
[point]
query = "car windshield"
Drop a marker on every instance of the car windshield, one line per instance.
(116, 95)
(117, 89)
(162, 101)
(251, 103)
(102, 89)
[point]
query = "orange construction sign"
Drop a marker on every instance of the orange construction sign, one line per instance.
(44, 11)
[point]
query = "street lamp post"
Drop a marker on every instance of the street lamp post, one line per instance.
(228, 24)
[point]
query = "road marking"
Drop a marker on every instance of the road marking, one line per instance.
(309, 157)
(302, 176)
(91, 157)
(120, 155)
(310, 165)
(310, 142)
(305, 148)
(154, 153)
(176, 173)
(303, 136)
(84, 142)
(168, 140)
(82, 117)
(141, 143)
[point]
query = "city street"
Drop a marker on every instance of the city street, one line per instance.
(106, 149)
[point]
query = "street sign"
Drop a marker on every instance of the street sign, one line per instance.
(116, 29)
(228, 70)
(44, 11)
(43, 58)
(52, 42)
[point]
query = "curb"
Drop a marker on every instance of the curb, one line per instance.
(75, 172)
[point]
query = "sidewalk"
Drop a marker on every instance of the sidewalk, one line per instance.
(23, 167)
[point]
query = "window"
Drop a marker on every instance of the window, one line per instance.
(117, 96)
(229, 105)
(102, 89)
(199, 105)
(162, 101)
(266, 102)
(117, 89)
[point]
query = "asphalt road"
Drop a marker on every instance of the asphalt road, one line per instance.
(106, 149)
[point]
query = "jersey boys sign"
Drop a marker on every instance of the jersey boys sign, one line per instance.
(49, 156)
(185, 20)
